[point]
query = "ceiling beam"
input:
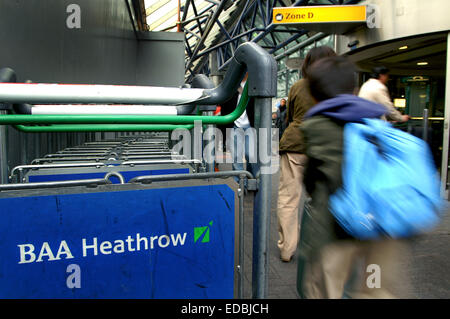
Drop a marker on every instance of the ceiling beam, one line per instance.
(154, 7)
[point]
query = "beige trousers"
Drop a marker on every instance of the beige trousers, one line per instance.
(374, 266)
(289, 197)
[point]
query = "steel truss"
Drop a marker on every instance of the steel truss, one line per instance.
(245, 21)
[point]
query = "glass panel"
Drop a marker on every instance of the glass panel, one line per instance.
(294, 76)
(281, 64)
(281, 85)
(328, 41)
(306, 49)
(259, 22)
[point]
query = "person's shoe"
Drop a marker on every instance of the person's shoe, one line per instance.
(285, 260)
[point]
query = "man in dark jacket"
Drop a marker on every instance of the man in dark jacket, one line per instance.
(327, 254)
(281, 122)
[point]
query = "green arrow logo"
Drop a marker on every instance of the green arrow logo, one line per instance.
(202, 231)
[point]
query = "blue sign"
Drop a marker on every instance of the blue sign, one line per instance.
(148, 243)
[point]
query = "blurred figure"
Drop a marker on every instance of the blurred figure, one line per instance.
(328, 256)
(281, 119)
(293, 159)
(244, 138)
(245, 121)
(375, 90)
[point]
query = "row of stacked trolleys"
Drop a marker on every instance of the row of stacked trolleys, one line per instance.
(128, 216)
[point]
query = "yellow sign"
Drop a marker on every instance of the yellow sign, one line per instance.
(319, 14)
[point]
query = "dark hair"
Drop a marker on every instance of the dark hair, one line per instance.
(314, 55)
(376, 71)
(330, 77)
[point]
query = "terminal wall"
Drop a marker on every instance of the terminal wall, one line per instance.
(37, 41)
(38, 44)
(398, 19)
(166, 65)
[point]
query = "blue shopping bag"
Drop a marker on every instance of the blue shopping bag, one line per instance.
(390, 184)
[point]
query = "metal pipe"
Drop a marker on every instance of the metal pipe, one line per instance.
(178, 17)
(84, 182)
(6, 75)
(243, 34)
(209, 133)
(73, 150)
(106, 143)
(103, 109)
(127, 153)
(47, 166)
(147, 142)
(76, 154)
(287, 41)
(248, 55)
(67, 156)
(132, 148)
(117, 174)
(425, 125)
(36, 93)
(172, 156)
(241, 239)
(74, 159)
(127, 119)
(446, 130)
(177, 177)
(86, 150)
(3, 152)
(296, 47)
(186, 8)
(102, 128)
(262, 203)
(432, 118)
(184, 161)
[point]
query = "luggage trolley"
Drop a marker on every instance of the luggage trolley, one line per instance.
(92, 162)
(86, 170)
(153, 236)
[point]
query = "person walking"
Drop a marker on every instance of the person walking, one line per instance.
(328, 256)
(281, 118)
(375, 90)
(293, 159)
